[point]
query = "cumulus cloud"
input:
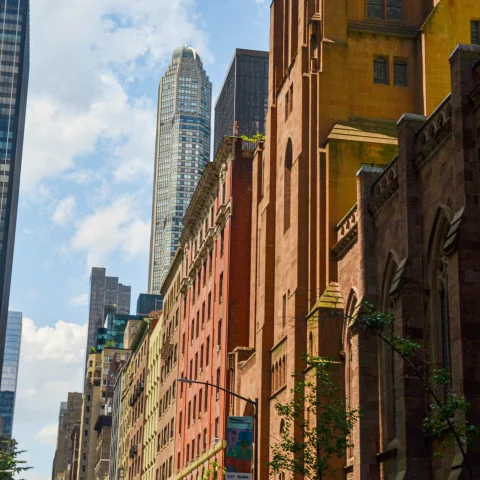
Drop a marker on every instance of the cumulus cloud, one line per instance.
(64, 210)
(80, 99)
(114, 227)
(51, 365)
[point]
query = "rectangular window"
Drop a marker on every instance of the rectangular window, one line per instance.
(180, 424)
(394, 9)
(200, 403)
(222, 241)
(194, 412)
(219, 338)
(193, 449)
(400, 73)
(203, 315)
(284, 311)
(220, 288)
(198, 325)
(183, 344)
(218, 383)
(201, 358)
(199, 440)
(375, 8)
(475, 32)
(207, 352)
(189, 413)
(188, 453)
(209, 306)
(210, 262)
(192, 333)
(206, 397)
(191, 369)
(216, 427)
(204, 273)
(380, 71)
(204, 439)
(196, 365)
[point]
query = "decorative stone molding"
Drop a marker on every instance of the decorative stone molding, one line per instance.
(382, 27)
(347, 233)
(385, 187)
(433, 133)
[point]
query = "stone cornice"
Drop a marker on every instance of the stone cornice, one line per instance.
(433, 133)
(385, 187)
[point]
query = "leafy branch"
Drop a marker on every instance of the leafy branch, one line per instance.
(446, 415)
(317, 425)
(214, 472)
(258, 137)
(9, 462)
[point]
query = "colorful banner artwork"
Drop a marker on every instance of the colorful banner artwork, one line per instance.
(239, 452)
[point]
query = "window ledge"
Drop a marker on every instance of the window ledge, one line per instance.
(277, 392)
(390, 28)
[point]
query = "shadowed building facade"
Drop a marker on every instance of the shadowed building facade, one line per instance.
(182, 150)
(14, 71)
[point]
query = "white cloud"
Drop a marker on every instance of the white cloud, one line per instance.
(80, 98)
(51, 365)
(47, 435)
(79, 300)
(114, 227)
(64, 210)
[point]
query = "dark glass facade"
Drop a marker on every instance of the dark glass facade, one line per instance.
(14, 70)
(8, 385)
(243, 98)
(147, 303)
(112, 333)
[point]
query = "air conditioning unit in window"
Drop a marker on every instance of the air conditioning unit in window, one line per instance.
(219, 347)
(215, 441)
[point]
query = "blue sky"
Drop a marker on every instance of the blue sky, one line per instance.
(87, 171)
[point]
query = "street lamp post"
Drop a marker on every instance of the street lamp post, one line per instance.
(248, 400)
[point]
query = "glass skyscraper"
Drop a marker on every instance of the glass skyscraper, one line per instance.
(243, 99)
(14, 68)
(11, 357)
(181, 153)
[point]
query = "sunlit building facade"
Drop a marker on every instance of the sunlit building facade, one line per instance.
(14, 70)
(181, 153)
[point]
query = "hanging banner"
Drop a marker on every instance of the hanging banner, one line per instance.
(239, 452)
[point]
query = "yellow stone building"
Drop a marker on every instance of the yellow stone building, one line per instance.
(150, 441)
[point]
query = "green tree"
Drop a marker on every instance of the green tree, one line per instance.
(446, 417)
(316, 424)
(214, 471)
(9, 461)
(258, 137)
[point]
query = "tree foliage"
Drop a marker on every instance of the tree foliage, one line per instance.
(9, 461)
(214, 471)
(258, 137)
(446, 417)
(317, 424)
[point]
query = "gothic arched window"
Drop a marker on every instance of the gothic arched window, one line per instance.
(287, 185)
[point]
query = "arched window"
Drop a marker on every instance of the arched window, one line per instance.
(387, 365)
(287, 185)
(284, 370)
(438, 287)
(277, 382)
(351, 312)
(310, 343)
(273, 379)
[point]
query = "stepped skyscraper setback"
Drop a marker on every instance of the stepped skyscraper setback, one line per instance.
(14, 68)
(181, 153)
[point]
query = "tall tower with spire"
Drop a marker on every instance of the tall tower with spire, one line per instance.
(181, 152)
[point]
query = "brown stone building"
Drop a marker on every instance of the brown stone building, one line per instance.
(411, 245)
(70, 414)
(341, 73)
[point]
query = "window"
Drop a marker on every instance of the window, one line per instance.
(183, 344)
(194, 412)
(210, 262)
(209, 306)
(287, 180)
(475, 32)
(203, 315)
(204, 273)
(189, 414)
(389, 9)
(192, 332)
(196, 365)
(207, 352)
(219, 333)
(199, 440)
(400, 73)
(204, 439)
(284, 311)
(180, 424)
(220, 288)
(380, 71)
(218, 383)
(224, 192)
(193, 449)
(206, 397)
(287, 104)
(200, 403)
(188, 453)
(201, 358)
(198, 325)
(222, 241)
(216, 427)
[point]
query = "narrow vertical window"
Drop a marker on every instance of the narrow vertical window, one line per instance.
(218, 383)
(475, 32)
(394, 10)
(284, 311)
(220, 288)
(400, 73)
(287, 185)
(207, 352)
(375, 8)
(380, 71)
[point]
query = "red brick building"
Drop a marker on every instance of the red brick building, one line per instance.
(214, 310)
(411, 245)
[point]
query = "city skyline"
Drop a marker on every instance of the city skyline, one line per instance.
(77, 187)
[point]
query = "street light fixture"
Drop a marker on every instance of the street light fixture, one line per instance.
(245, 399)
